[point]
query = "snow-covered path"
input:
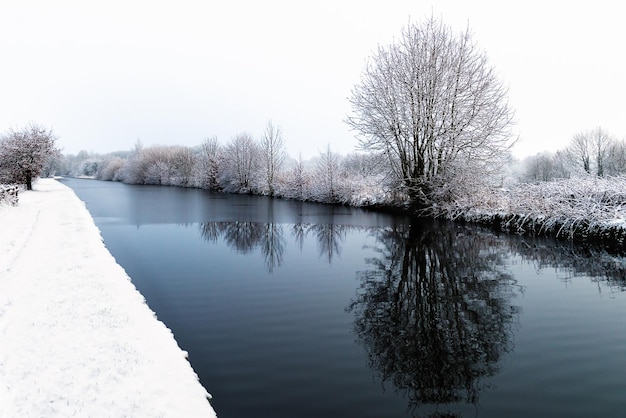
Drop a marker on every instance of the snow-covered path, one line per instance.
(76, 337)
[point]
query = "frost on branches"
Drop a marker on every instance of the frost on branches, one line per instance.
(585, 209)
(434, 107)
(24, 154)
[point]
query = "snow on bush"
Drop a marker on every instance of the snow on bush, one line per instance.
(9, 194)
(576, 208)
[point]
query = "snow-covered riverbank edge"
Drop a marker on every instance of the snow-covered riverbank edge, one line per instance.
(76, 337)
(587, 210)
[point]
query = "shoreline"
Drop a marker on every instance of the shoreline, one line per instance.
(78, 339)
(579, 210)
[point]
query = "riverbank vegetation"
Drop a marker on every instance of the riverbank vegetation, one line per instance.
(579, 206)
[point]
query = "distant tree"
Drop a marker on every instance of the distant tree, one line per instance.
(580, 151)
(326, 175)
(273, 151)
(110, 168)
(182, 162)
(539, 167)
(592, 146)
(24, 154)
(134, 169)
(433, 106)
(600, 143)
(89, 167)
(54, 165)
(364, 164)
(616, 159)
(209, 163)
(561, 167)
(297, 181)
(241, 163)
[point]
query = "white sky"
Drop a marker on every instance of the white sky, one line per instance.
(103, 74)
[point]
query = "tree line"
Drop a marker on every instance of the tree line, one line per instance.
(593, 152)
(244, 165)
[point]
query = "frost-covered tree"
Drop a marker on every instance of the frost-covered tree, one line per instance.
(273, 151)
(560, 165)
(110, 168)
(432, 104)
(327, 176)
(297, 181)
(208, 164)
(600, 143)
(616, 159)
(241, 164)
(133, 170)
(580, 151)
(24, 154)
(539, 167)
(591, 147)
(182, 161)
(165, 165)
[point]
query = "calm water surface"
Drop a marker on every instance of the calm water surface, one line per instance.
(303, 310)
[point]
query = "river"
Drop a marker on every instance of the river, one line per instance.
(298, 309)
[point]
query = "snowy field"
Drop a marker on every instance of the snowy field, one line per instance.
(76, 337)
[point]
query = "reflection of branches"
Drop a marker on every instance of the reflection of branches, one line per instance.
(574, 260)
(244, 237)
(210, 231)
(433, 313)
(273, 245)
(299, 233)
(329, 239)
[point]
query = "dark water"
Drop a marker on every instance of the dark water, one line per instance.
(302, 310)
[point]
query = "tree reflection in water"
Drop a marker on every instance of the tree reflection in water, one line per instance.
(434, 311)
(245, 237)
(574, 260)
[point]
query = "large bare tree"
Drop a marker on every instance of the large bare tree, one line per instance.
(433, 105)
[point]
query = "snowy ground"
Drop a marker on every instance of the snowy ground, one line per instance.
(76, 337)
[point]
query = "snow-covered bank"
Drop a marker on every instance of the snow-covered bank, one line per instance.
(76, 337)
(587, 209)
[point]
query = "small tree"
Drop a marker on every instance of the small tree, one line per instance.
(24, 154)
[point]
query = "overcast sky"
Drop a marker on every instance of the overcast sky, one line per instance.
(104, 74)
